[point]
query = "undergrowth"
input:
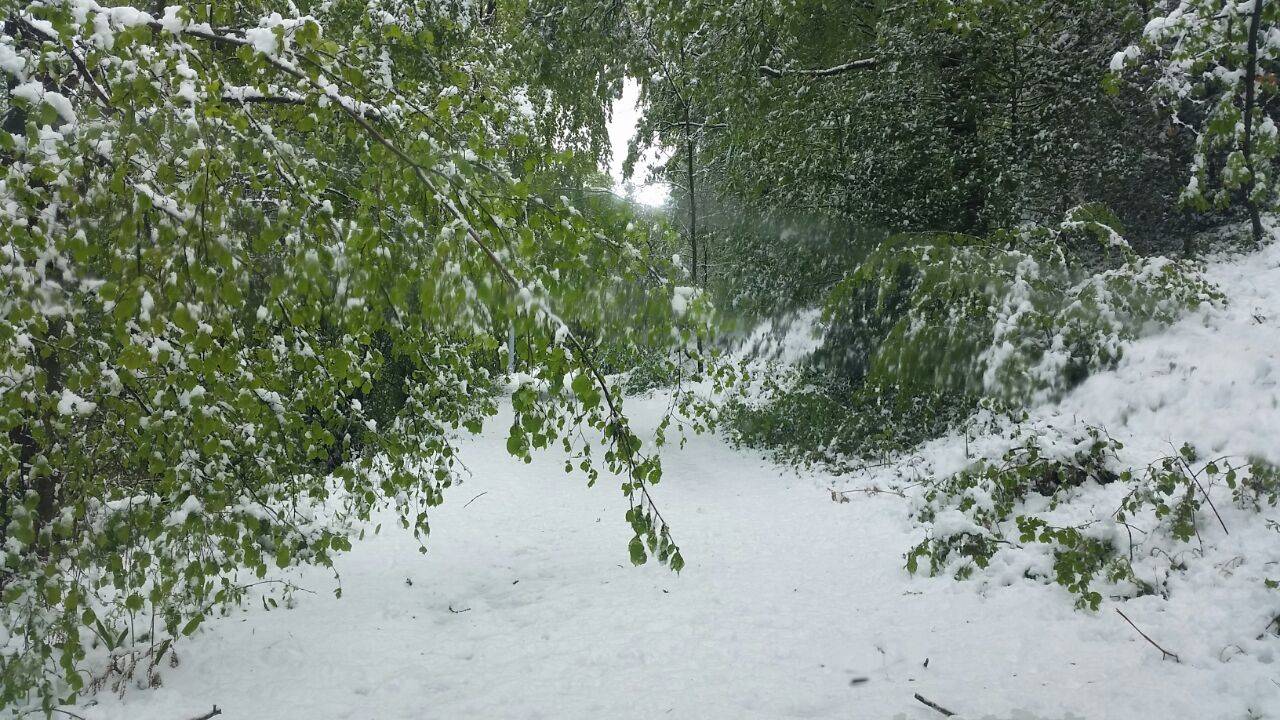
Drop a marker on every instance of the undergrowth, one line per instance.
(1019, 506)
(816, 419)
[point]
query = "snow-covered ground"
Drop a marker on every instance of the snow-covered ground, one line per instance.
(791, 605)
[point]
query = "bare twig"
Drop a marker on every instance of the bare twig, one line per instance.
(68, 713)
(934, 705)
(458, 612)
(486, 492)
(264, 99)
(1163, 653)
(1275, 622)
(1195, 479)
(868, 491)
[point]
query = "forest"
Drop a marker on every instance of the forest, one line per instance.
(345, 372)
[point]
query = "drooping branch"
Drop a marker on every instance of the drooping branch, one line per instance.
(863, 64)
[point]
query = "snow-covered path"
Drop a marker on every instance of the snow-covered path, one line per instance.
(526, 607)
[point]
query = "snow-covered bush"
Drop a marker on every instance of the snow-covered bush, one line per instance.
(807, 416)
(1035, 511)
(967, 513)
(1021, 316)
(929, 326)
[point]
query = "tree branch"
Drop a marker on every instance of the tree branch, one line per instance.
(265, 99)
(863, 64)
(934, 705)
(212, 713)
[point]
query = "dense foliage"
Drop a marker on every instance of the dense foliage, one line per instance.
(928, 325)
(974, 193)
(1214, 65)
(258, 262)
(263, 261)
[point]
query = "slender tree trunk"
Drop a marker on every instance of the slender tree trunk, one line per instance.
(693, 198)
(1015, 135)
(1250, 101)
(693, 212)
(511, 349)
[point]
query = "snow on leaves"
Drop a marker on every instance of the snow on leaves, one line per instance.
(257, 271)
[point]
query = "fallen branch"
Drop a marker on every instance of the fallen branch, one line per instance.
(486, 492)
(934, 705)
(211, 713)
(1163, 653)
(838, 495)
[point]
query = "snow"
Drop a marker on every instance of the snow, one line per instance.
(791, 605)
(72, 404)
(787, 340)
(263, 39)
(171, 22)
(681, 298)
(11, 62)
(1214, 377)
(34, 93)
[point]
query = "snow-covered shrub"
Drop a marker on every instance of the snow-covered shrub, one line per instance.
(929, 326)
(651, 372)
(807, 417)
(966, 513)
(1033, 511)
(1022, 315)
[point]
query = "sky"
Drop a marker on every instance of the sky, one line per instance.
(622, 127)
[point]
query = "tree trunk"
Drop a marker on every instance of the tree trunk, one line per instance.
(1250, 101)
(693, 197)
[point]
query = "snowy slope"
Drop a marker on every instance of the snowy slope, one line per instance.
(791, 605)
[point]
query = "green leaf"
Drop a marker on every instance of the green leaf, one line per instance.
(637, 551)
(192, 624)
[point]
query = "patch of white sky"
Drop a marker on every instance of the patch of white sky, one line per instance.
(641, 187)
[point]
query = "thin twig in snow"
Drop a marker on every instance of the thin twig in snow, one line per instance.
(1195, 479)
(211, 713)
(1164, 653)
(68, 713)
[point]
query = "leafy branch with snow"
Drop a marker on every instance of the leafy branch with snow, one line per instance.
(256, 276)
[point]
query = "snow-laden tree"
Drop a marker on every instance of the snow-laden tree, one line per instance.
(257, 261)
(1215, 62)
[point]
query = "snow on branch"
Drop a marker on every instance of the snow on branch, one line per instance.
(863, 64)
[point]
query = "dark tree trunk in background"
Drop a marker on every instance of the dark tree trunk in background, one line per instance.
(1250, 102)
(693, 198)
